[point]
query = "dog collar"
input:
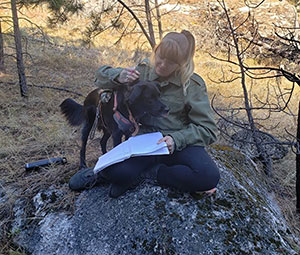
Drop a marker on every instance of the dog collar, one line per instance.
(124, 124)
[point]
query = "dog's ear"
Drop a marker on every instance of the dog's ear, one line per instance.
(133, 83)
(136, 91)
(156, 83)
(156, 86)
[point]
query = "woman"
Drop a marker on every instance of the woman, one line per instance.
(187, 129)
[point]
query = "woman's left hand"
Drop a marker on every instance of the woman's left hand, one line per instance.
(169, 141)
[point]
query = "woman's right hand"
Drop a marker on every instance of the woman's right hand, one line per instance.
(128, 75)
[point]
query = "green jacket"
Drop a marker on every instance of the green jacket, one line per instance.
(190, 120)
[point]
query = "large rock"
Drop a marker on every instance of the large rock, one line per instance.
(269, 15)
(272, 18)
(241, 219)
(244, 141)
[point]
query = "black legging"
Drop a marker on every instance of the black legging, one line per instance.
(191, 169)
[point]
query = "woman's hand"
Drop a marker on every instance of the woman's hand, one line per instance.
(169, 141)
(128, 75)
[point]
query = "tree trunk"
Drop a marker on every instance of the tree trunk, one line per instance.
(1, 51)
(139, 23)
(264, 158)
(298, 164)
(160, 32)
(20, 65)
(149, 22)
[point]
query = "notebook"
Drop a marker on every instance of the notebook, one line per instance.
(140, 145)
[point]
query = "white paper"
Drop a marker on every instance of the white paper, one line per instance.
(141, 145)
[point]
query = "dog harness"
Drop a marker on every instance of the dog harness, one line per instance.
(104, 97)
(124, 124)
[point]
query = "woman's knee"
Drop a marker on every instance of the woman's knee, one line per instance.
(206, 179)
(214, 176)
(124, 171)
(118, 172)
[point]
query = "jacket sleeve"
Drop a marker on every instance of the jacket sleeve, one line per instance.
(106, 77)
(201, 128)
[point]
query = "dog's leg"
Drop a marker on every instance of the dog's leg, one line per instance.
(127, 136)
(104, 139)
(84, 138)
(117, 137)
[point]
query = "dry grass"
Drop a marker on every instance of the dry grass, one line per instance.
(33, 128)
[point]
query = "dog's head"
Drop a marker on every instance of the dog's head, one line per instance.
(144, 99)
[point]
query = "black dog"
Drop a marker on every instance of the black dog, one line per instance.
(119, 115)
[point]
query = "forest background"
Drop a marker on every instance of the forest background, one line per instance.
(61, 58)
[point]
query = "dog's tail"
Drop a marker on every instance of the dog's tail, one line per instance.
(72, 111)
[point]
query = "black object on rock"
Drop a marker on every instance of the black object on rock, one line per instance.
(44, 162)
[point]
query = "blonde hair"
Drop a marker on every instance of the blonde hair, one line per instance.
(172, 49)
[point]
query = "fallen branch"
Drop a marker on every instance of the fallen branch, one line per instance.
(44, 87)
(55, 88)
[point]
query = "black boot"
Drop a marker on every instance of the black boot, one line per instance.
(150, 174)
(86, 179)
(118, 189)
